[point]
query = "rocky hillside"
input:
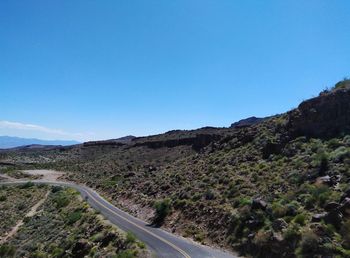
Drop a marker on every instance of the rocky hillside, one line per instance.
(276, 187)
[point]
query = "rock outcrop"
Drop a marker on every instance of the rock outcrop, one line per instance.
(325, 116)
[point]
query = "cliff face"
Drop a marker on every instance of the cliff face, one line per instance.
(325, 116)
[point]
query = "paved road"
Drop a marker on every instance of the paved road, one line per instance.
(160, 242)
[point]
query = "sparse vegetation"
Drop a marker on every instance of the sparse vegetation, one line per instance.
(69, 230)
(278, 187)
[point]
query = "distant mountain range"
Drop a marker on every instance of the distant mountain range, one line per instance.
(7, 142)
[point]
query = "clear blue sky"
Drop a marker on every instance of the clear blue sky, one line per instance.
(103, 69)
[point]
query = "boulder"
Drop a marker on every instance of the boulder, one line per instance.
(325, 180)
(331, 206)
(335, 218)
(345, 207)
(345, 195)
(152, 169)
(279, 224)
(259, 204)
(291, 210)
(325, 116)
(318, 217)
(253, 223)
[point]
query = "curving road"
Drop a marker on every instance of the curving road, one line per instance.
(160, 242)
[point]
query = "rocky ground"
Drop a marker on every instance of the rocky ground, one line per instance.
(274, 187)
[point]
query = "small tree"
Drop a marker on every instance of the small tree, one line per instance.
(162, 210)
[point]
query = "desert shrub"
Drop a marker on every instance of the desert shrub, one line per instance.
(126, 254)
(130, 238)
(3, 198)
(26, 219)
(300, 219)
(279, 210)
(262, 242)
(345, 232)
(27, 185)
(330, 229)
(245, 202)
(233, 190)
(295, 177)
(57, 252)
(342, 84)
(262, 237)
(56, 189)
(162, 209)
(315, 145)
(73, 217)
(38, 254)
(346, 140)
(21, 206)
(292, 234)
(61, 200)
(340, 154)
(7, 250)
(178, 204)
(334, 143)
(97, 237)
(194, 232)
(309, 243)
(323, 198)
(141, 245)
(209, 195)
(321, 160)
(322, 194)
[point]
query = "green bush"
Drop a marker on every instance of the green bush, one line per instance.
(130, 238)
(61, 200)
(73, 217)
(245, 201)
(3, 198)
(57, 252)
(279, 210)
(56, 188)
(162, 210)
(342, 84)
(300, 219)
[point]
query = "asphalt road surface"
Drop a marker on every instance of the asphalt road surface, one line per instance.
(160, 242)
